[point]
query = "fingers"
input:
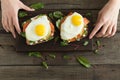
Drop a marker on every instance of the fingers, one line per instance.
(26, 7)
(113, 30)
(96, 29)
(16, 24)
(12, 30)
(103, 30)
(109, 31)
(11, 26)
(4, 26)
(4, 23)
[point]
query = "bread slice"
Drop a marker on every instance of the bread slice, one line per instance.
(49, 37)
(80, 35)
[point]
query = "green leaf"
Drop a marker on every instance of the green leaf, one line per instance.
(82, 60)
(52, 56)
(23, 34)
(58, 14)
(64, 43)
(51, 15)
(98, 43)
(96, 51)
(58, 22)
(35, 54)
(34, 6)
(88, 14)
(31, 42)
(85, 43)
(22, 14)
(44, 64)
(37, 6)
(50, 38)
(66, 57)
(85, 32)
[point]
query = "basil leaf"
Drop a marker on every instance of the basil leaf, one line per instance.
(58, 14)
(34, 6)
(96, 51)
(51, 15)
(82, 60)
(50, 38)
(85, 33)
(64, 43)
(22, 14)
(58, 22)
(23, 34)
(85, 43)
(37, 6)
(52, 56)
(66, 57)
(98, 43)
(32, 42)
(44, 64)
(88, 14)
(35, 54)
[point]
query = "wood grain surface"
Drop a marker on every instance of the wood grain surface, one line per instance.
(105, 66)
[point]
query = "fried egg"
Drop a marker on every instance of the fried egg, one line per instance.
(38, 29)
(72, 26)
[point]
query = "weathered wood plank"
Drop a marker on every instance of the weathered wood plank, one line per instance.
(98, 72)
(83, 4)
(70, 3)
(109, 54)
(6, 39)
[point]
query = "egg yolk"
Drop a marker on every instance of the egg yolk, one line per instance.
(76, 20)
(40, 29)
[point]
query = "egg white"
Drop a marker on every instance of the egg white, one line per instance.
(68, 30)
(30, 30)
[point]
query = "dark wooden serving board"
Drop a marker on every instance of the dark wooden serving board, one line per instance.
(52, 45)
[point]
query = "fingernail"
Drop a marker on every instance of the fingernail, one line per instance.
(14, 36)
(33, 9)
(7, 31)
(90, 37)
(19, 32)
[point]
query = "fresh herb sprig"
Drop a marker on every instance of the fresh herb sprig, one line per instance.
(83, 61)
(53, 56)
(35, 6)
(35, 54)
(64, 43)
(44, 64)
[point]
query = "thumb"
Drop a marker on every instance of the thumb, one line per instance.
(27, 8)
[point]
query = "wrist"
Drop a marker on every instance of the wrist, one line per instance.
(116, 3)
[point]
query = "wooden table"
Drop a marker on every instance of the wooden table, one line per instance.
(18, 66)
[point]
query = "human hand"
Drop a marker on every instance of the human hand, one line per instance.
(107, 20)
(10, 10)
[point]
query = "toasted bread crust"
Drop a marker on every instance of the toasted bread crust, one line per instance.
(40, 41)
(79, 36)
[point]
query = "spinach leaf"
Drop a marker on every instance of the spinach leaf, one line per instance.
(82, 60)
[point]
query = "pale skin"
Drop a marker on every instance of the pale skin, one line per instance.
(10, 10)
(106, 22)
